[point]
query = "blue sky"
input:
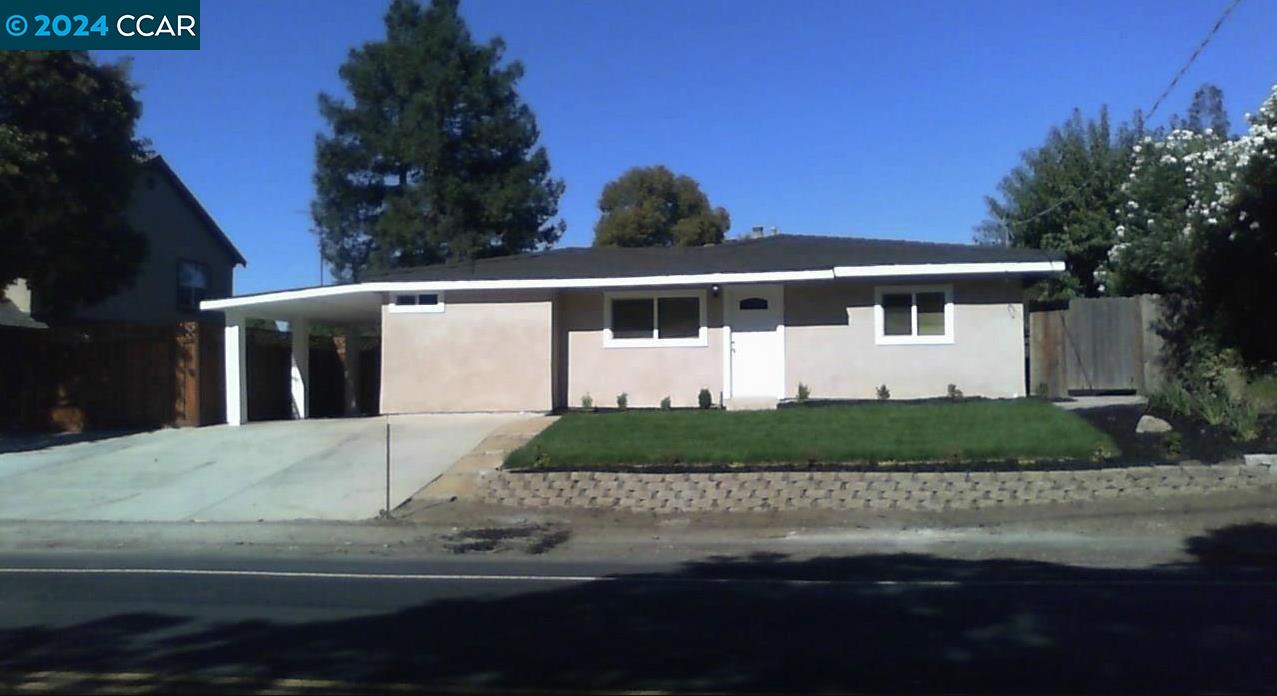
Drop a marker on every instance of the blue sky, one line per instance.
(884, 119)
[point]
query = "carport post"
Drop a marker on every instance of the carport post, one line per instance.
(300, 329)
(236, 369)
(350, 370)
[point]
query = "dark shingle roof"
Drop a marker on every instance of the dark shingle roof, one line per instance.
(778, 253)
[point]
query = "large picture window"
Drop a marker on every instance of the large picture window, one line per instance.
(667, 318)
(921, 314)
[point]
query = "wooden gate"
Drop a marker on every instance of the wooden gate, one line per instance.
(1095, 345)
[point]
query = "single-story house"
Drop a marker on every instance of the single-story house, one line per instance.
(748, 320)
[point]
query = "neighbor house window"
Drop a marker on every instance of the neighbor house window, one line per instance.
(421, 302)
(192, 284)
(667, 318)
(922, 314)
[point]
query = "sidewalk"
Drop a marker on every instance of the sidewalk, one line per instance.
(1119, 533)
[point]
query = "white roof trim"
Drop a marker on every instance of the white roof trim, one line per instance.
(633, 282)
(926, 269)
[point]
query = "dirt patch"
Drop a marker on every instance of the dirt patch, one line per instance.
(1195, 440)
(533, 539)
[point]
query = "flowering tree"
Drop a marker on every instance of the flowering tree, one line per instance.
(1198, 225)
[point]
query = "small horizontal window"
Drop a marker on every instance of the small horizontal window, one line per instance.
(417, 302)
(753, 303)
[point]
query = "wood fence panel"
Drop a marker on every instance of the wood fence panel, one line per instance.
(1103, 344)
(1107, 344)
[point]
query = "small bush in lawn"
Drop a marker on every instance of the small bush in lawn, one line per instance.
(705, 399)
(587, 402)
(954, 392)
(883, 393)
(622, 401)
(665, 404)
(804, 392)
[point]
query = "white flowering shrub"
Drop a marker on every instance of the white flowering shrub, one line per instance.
(1197, 224)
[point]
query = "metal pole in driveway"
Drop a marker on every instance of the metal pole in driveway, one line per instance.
(387, 511)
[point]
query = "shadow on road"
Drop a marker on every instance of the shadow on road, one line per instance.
(827, 624)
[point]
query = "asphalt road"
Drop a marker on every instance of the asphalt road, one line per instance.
(859, 623)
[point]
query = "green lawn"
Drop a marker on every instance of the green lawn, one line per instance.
(971, 430)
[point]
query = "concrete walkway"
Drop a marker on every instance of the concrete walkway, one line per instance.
(1079, 403)
(315, 469)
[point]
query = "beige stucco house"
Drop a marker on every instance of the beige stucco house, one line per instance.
(189, 258)
(748, 320)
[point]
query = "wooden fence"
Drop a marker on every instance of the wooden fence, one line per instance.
(1096, 345)
(113, 375)
(110, 375)
(270, 375)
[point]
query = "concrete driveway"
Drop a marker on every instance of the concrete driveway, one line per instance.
(315, 469)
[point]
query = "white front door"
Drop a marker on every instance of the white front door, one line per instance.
(755, 317)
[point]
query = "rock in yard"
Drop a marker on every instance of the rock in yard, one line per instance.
(1152, 424)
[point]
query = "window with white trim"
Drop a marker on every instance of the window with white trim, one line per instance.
(913, 315)
(665, 318)
(418, 302)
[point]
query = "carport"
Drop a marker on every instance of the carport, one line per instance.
(348, 308)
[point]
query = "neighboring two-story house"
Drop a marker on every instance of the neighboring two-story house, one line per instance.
(189, 259)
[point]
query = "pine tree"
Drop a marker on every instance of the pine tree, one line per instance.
(435, 157)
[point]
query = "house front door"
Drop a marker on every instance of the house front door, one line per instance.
(755, 318)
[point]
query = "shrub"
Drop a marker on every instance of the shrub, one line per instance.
(622, 401)
(804, 392)
(883, 393)
(665, 404)
(954, 392)
(587, 402)
(1174, 443)
(1042, 391)
(705, 399)
(1209, 399)
(1174, 398)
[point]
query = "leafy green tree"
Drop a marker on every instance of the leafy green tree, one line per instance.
(435, 157)
(1063, 196)
(652, 206)
(68, 161)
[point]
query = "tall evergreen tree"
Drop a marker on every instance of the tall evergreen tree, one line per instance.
(68, 162)
(1063, 196)
(652, 206)
(1205, 112)
(435, 157)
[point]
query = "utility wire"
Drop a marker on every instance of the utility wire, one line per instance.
(1152, 110)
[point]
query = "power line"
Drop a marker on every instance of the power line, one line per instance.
(1223, 17)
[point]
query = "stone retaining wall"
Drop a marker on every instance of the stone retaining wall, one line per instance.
(759, 492)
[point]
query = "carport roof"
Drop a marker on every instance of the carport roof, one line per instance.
(780, 258)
